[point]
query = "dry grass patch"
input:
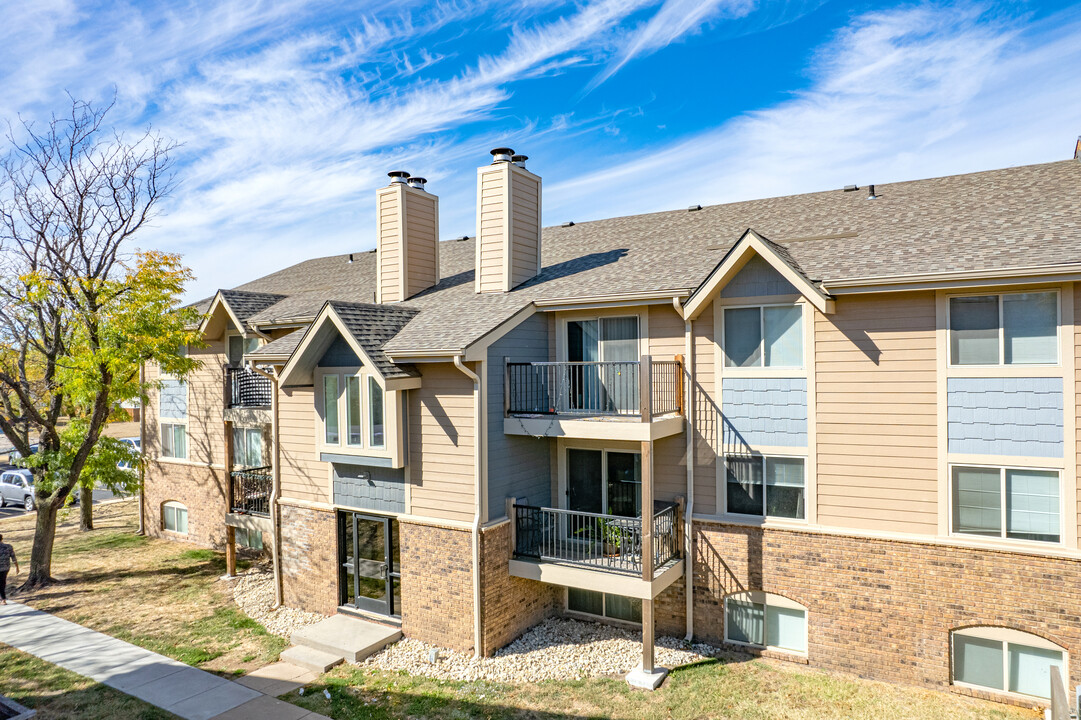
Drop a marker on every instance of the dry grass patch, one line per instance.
(58, 694)
(160, 595)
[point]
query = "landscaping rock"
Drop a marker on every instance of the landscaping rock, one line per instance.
(556, 649)
(253, 592)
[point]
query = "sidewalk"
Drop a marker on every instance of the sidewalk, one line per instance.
(181, 689)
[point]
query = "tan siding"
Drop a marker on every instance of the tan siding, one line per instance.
(525, 227)
(877, 414)
(1077, 391)
(441, 439)
(707, 415)
(206, 404)
(389, 244)
(303, 476)
(490, 230)
(422, 238)
(666, 340)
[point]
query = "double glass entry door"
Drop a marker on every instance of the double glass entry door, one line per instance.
(368, 554)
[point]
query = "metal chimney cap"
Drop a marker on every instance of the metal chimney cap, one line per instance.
(397, 176)
(871, 193)
(850, 188)
(502, 154)
(519, 160)
(417, 183)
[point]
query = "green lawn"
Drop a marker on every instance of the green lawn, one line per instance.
(57, 694)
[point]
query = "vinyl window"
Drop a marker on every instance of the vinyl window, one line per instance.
(1003, 502)
(330, 409)
(174, 517)
(765, 620)
(1005, 660)
(616, 607)
(765, 486)
(763, 336)
(1006, 329)
(252, 539)
(376, 427)
(247, 447)
(174, 440)
(352, 408)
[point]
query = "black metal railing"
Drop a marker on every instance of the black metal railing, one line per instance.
(603, 542)
(246, 388)
(666, 387)
(573, 388)
(250, 490)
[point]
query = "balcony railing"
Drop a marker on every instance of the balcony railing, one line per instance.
(592, 388)
(250, 490)
(246, 388)
(602, 542)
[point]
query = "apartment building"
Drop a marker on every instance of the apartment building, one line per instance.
(837, 428)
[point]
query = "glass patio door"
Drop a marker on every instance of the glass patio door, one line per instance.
(369, 554)
(603, 388)
(604, 482)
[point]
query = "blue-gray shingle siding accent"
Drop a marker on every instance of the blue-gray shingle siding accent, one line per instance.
(763, 411)
(173, 400)
(383, 490)
(339, 354)
(1005, 416)
(518, 466)
(757, 278)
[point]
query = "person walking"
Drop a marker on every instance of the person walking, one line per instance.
(7, 556)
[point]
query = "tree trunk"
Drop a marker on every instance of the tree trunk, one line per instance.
(41, 555)
(86, 509)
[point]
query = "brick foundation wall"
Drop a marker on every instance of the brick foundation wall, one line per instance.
(199, 488)
(309, 559)
(884, 609)
(510, 605)
(437, 585)
(670, 610)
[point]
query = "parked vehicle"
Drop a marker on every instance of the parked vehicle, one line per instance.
(135, 443)
(17, 488)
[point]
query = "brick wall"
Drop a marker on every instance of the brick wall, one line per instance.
(883, 609)
(437, 585)
(670, 610)
(510, 605)
(201, 489)
(309, 559)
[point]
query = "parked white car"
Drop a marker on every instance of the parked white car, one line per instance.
(17, 488)
(134, 442)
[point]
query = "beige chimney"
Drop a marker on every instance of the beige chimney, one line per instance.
(508, 223)
(407, 236)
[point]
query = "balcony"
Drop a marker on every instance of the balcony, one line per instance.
(249, 491)
(629, 400)
(245, 388)
(594, 551)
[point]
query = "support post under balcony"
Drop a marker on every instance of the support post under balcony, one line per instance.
(648, 676)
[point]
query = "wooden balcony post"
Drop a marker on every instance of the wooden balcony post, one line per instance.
(512, 516)
(506, 388)
(679, 385)
(647, 549)
(229, 466)
(645, 388)
(226, 397)
(230, 551)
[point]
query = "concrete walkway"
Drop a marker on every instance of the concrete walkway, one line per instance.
(181, 689)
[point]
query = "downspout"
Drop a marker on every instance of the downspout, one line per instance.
(688, 515)
(477, 629)
(142, 451)
(275, 487)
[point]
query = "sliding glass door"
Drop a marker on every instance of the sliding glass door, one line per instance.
(611, 385)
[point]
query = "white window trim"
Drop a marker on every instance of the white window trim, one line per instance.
(1062, 520)
(1006, 636)
(764, 519)
(763, 370)
(175, 505)
(769, 599)
(1001, 331)
(343, 446)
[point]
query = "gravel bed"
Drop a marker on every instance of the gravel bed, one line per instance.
(253, 592)
(556, 649)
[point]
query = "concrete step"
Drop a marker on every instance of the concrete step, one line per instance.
(350, 637)
(318, 661)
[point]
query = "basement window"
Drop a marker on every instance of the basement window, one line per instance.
(996, 658)
(174, 517)
(765, 620)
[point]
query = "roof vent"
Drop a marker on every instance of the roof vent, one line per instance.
(519, 160)
(502, 155)
(851, 188)
(350, 257)
(569, 223)
(398, 176)
(871, 193)
(463, 238)
(417, 183)
(1077, 149)
(694, 208)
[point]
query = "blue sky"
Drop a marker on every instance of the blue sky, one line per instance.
(291, 112)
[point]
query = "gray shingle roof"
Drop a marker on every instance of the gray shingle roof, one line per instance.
(245, 304)
(283, 346)
(997, 220)
(372, 326)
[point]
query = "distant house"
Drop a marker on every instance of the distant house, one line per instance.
(850, 419)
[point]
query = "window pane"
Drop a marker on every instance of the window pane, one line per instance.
(255, 447)
(784, 336)
(169, 518)
(745, 621)
(352, 409)
(180, 441)
(173, 401)
(784, 487)
(1030, 328)
(977, 661)
(742, 337)
(744, 485)
(977, 502)
(623, 608)
(974, 330)
(236, 349)
(586, 601)
(330, 406)
(182, 521)
(624, 484)
(619, 338)
(1032, 505)
(786, 628)
(375, 413)
(1030, 669)
(167, 441)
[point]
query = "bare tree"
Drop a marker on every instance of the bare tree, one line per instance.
(78, 312)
